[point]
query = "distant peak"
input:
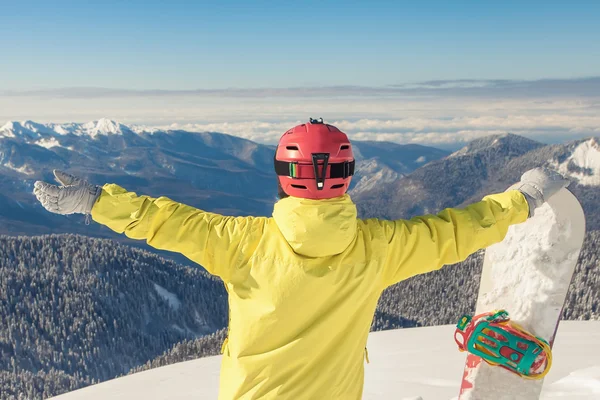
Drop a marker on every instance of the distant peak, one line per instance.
(25, 129)
(7, 126)
(583, 163)
(7, 129)
(11, 126)
(501, 140)
(105, 126)
(30, 130)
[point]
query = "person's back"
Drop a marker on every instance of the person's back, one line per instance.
(302, 304)
(303, 285)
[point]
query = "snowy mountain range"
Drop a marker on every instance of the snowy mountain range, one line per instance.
(33, 130)
(487, 165)
(234, 176)
(231, 175)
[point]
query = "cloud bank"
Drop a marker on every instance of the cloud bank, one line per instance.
(441, 113)
(427, 131)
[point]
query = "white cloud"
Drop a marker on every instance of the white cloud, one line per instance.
(421, 130)
(437, 113)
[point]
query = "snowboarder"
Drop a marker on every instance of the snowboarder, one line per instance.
(303, 285)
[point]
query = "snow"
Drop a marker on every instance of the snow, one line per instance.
(33, 131)
(21, 129)
(578, 383)
(520, 274)
(171, 298)
(149, 130)
(103, 126)
(24, 169)
(48, 143)
(372, 174)
(7, 130)
(26, 129)
(586, 156)
(421, 159)
(406, 364)
(369, 182)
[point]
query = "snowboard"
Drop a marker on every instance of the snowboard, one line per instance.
(528, 274)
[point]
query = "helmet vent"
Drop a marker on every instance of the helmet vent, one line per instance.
(344, 147)
(339, 185)
(299, 186)
(291, 147)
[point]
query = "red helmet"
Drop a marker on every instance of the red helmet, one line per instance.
(314, 161)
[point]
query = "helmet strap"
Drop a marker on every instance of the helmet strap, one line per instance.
(320, 178)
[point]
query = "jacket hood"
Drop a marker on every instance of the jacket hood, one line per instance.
(316, 228)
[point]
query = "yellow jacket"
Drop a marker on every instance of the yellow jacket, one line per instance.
(303, 285)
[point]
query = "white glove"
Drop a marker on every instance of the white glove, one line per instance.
(75, 195)
(538, 185)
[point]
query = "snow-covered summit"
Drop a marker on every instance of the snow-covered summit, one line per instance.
(27, 129)
(30, 130)
(103, 126)
(583, 163)
(6, 130)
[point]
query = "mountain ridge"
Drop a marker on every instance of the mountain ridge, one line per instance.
(484, 166)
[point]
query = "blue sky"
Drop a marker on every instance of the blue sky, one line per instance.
(180, 45)
(256, 68)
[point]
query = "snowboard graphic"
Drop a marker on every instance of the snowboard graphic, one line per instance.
(527, 274)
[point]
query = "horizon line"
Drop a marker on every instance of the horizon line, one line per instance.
(581, 86)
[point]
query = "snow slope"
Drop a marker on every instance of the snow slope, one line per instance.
(417, 363)
(169, 297)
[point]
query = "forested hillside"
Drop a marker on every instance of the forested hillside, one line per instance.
(76, 310)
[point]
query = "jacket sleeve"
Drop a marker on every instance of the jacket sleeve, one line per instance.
(427, 243)
(216, 242)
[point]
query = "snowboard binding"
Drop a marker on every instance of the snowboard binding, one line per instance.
(499, 341)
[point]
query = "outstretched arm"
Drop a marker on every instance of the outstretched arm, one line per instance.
(216, 242)
(426, 243)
